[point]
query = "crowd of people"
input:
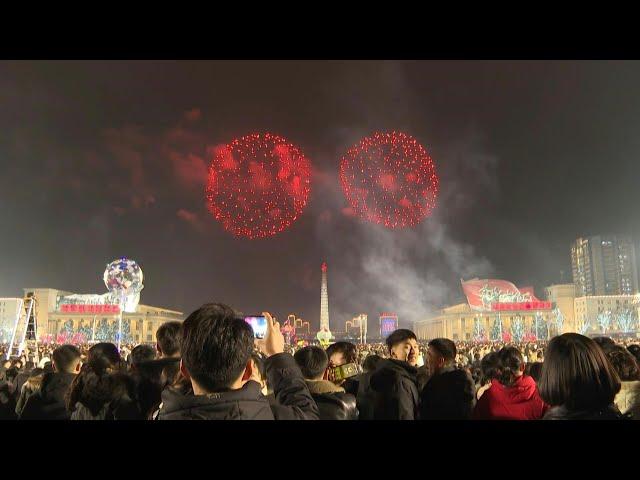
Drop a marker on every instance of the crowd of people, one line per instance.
(211, 367)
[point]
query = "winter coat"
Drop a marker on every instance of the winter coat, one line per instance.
(333, 402)
(610, 412)
(365, 400)
(112, 399)
(394, 384)
(520, 401)
(448, 395)
(49, 403)
(628, 399)
(292, 398)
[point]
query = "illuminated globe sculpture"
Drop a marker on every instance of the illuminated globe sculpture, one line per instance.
(324, 337)
(123, 278)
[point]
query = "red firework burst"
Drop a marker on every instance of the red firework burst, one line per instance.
(390, 179)
(258, 185)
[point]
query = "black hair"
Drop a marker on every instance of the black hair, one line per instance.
(445, 348)
(510, 362)
(259, 361)
(489, 365)
(216, 345)
(624, 363)
(141, 353)
(605, 343)
(347, 349)
(94, 385)
(577, 374)
(371, 362)
(399, 336)
(65, 356)
(168, 338)
(635, 351)
(312, 361)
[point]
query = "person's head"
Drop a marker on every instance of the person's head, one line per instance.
(402, 345)
(605, 343)
(510, 365)
(313, 362)
(168, 339)
(477, 357)
(6, 364)
(216, 346)
(371, 362)
(140, 354)
(534, 370)
(66, 359)
(29, 365)
(104, 358)
(635, 351)
(624, 363)
(577, 374)
(489, 365)
(341, 353)
(441, 354)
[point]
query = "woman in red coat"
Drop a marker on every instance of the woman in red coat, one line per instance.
(512, 395)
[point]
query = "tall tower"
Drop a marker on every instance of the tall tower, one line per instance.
(324, 300)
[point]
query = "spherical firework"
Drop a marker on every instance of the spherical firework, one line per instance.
(390, 179)
(258, 185)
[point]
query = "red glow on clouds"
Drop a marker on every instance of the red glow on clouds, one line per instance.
(258, 185)
(390, 179)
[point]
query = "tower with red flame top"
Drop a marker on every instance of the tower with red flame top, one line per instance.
(324, 300)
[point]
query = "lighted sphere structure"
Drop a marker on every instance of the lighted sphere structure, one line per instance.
(389, 179)
(123, 278)
(258, 185)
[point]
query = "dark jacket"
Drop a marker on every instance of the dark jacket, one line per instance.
(111, 399)
(333, 402)
(607, 413)
(365, 400)
(18, 382)
(448, 395)
(49, 402)
(517, 402)
(292, 398)
(396, 392)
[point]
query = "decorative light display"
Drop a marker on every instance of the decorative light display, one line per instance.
(389, 179)
(517, 328)
(604, 320)
(258, 185)
(540, 327)
(626, 321)
(584, 326)
(478, 330)
(496, 329)
(559, 320)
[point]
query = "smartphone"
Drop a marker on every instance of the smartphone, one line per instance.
(259, 325)
(345, 371)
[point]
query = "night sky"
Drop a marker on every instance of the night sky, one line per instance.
(108, 159)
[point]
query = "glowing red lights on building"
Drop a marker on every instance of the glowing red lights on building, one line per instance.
(389, 179)
(258, 185)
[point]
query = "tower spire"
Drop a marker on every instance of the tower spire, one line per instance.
(324, 300)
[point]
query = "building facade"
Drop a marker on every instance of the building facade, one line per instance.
(9, 310)
(604, 265)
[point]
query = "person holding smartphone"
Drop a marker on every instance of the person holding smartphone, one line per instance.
(216, 347)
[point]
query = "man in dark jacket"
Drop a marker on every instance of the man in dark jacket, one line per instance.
(394, 382)
(23, 376)
(49, 402)
(450, 392)
(333, 402)
(216, 346)
(365, 399)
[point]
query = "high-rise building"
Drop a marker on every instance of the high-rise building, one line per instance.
(604, 265)
(324, 300)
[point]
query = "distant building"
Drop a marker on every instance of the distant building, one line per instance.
(9, 309)
(604, 265)
(388, 323)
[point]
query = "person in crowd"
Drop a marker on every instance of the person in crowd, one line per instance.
(22, 376)
(216, 348)
(635, 351)
(49, 402)
(628, 398)
(394, 382)
(489, 371)
(146, 377)
(259, 374)
(512, 394)
(6, 365)
(450, 393)
(534, 370)
(102, 390)
(366, 396)
(605, 343)
(168, 347)
(342, 353)
(29, 388)
(578, 381)
(333, 402)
